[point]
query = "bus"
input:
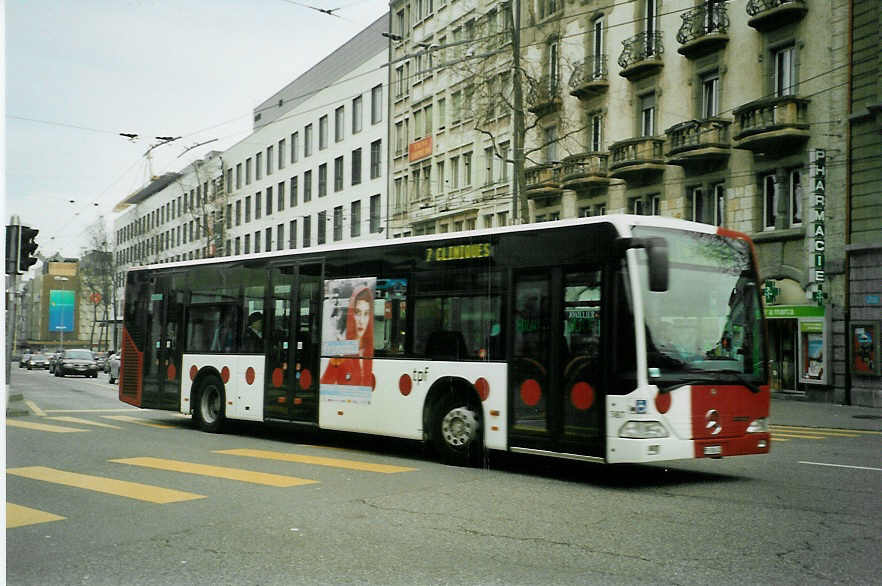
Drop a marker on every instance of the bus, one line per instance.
(615, 339)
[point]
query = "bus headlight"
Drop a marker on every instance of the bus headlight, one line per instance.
(643, 430)
(758, 426)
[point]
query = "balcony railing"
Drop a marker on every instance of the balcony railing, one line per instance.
(704, 29)
(584, 170)
(542, 180)
(768, 15)
(641, 53)
(698, 140)
(772, 124)
(589, 77)
(543, 94)
(637, 156)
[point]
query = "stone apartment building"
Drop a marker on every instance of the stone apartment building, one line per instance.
(731, 114)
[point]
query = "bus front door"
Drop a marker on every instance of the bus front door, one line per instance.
(162, 357)
(306, 345)
(554, 372)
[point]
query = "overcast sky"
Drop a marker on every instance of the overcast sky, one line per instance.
(80, 72)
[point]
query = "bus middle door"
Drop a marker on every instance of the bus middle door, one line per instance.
(307, 343)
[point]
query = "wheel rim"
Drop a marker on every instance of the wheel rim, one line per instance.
(459, 427)
(210, 404)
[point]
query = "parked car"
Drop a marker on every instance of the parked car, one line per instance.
(78, 361)
(38, 361)
(113, 367)
(23, 361)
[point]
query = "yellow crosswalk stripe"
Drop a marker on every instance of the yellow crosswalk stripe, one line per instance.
(19, 516)
(128, 419)
(42, 426)
(33, 407)
(795, 435)
(317, 460)
(251, 476)
(132, 490)
(855, 432)
(69, 419)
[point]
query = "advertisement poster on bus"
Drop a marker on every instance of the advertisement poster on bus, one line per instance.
(347, 340)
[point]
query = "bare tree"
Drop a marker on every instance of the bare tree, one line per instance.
(205, 199)
(98, 270)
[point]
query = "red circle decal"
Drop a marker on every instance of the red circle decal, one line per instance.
(225, 374)
(249, 375)
(582, 396)
(483, 388)
(278, 377)
(663, 402)
(193, 372)
(531, 392)
(171, 372)
(305, 379)
(405, 384)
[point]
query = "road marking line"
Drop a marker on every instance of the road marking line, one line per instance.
(129, 419)
(132, 490)
(42, 426)
(819, 429)
(778, 439)
(843, 466)
(251, 476)
(317, 460)
(33, 407)
(19, 516)
(795, 435)
(83, 421)
(123, 410)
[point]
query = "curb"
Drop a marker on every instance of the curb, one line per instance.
(15, 406)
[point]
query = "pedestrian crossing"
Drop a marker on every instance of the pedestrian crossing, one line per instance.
(785, 433)
(19, 515)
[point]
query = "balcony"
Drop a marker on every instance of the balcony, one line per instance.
(698, 141)
(637, 159)
(767, 15)
(589, 77)
(584, 171)
(543, 95)
(542, 180)
(772, 125)
(705, 29)
(641, 55)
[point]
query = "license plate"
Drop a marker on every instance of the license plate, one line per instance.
(713, 450)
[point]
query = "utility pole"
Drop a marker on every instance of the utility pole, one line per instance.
(13, 234)
(518, 114)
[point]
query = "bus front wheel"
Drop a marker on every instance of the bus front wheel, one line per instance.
(209, 405)
(456, 426)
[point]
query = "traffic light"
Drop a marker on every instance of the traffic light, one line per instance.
(27, 247)
(12, 232)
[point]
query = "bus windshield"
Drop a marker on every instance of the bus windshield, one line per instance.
(707, 325)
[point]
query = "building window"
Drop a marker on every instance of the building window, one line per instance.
(247, 244)
(257, 241)
(323, 132)
(784, 75)
(323, 180)
(307, 231)
(238, 245)
(338, 223)
(375, 214)
(280, 236)
(647, 115)
(467, 168)
(268, 240)
(770, 202)
(293, 194)
(596, 130)
(655, 205)
(269, 201)
(338, 174)
(356, 114)
(488, 166)
(598, 41)
(280, 196)
(719, 191)
(292, 234)
(258, 203)
(269, 160)
(307, 140)
(247, 172)
(549, 136)
(247, 209)
(321, 228)
(307, 186)
(355, 219)
(239, 212)
(637, 206)
(339, 119)
(295, 140)
(281, 161)
(375, 158)
(356, 166)
(377, 104)
(258, 166)
(710, 95)
(795, 198)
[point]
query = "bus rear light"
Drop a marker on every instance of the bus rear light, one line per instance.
(760, 425)
(643, 430)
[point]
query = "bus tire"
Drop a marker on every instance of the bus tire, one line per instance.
(209, 405)
(456, 430)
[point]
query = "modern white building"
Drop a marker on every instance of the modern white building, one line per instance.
(313, 171)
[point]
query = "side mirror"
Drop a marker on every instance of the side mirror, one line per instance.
(657, 253)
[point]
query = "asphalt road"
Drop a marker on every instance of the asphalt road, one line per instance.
(272, 505)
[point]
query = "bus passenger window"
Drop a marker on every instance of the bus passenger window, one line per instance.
(390, 317)
(458, 328)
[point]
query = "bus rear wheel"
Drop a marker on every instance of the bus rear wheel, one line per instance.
(456, 431)
(208, 409)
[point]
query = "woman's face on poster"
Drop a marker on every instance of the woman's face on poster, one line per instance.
(362, 317)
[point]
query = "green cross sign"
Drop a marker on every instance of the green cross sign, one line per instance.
(770, 291)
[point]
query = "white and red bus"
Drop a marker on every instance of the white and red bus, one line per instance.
(612, 339)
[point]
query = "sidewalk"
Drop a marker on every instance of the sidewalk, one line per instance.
(810, 414)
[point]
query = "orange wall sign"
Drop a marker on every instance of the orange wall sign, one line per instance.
(419, 149)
